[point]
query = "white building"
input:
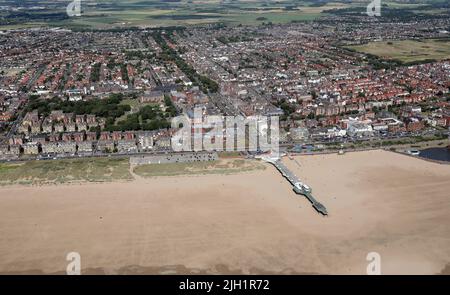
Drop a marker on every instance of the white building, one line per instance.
(357, 128)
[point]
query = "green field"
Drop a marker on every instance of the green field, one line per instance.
(22, 26)
(193, 14)
(65, 171)
(408, 51)
(222, 166)
(155, 13)
(103, 14)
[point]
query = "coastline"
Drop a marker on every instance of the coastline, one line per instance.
(250, 223)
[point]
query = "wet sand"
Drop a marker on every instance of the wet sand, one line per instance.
(251, 222)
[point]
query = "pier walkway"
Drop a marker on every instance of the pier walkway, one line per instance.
(298, 186)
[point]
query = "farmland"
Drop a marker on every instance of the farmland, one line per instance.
(153, 13)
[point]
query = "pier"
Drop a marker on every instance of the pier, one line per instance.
(298, 186)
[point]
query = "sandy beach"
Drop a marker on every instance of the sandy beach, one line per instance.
(250, 222)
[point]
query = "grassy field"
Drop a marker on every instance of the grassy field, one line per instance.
(136, 105)
(65, 171)
(110, 169)
(408, 50)
(393, 4)
(276, 17)
(155, 13)
(229, 155)
(102, 14)
(21, 26)
(222, 166)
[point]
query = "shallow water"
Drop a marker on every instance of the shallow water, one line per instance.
(439, 154)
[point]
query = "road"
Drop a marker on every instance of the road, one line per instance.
(224, 104)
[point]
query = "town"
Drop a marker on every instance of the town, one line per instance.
(67, 93)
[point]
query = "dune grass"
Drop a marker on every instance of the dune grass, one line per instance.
(221, 166)
(65, 171)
